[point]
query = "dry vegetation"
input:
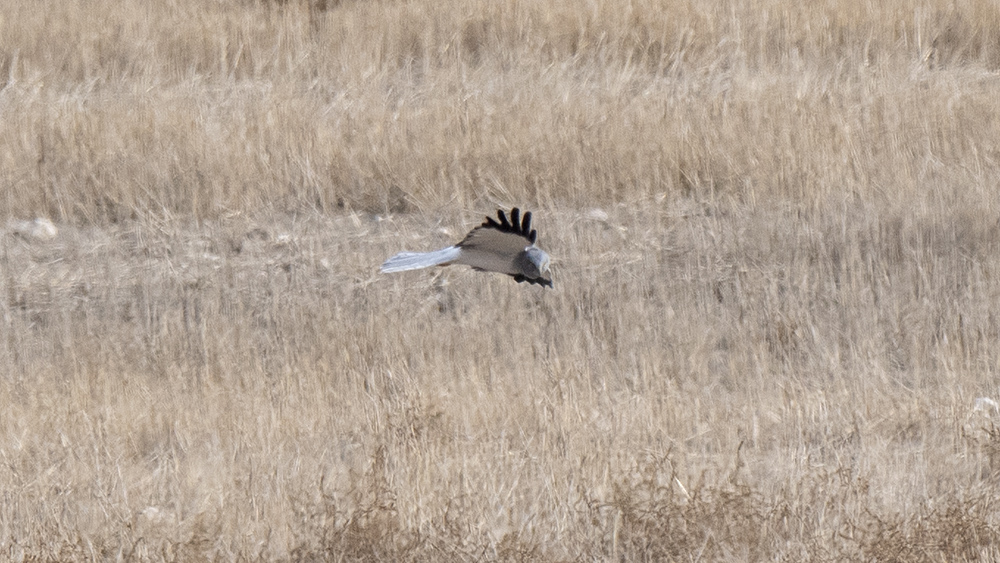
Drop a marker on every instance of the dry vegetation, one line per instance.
(777, 234)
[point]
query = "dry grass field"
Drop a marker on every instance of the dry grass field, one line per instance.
(774, 332)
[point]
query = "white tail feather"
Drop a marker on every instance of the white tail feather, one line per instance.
(416, 260)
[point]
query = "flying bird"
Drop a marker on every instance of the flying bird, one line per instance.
(498, 245)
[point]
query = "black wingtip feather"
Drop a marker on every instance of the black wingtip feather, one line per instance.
(503, 219)
(516, 224)
(520, 278)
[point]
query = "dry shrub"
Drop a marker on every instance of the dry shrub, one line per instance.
(952, 529)
(654, 518)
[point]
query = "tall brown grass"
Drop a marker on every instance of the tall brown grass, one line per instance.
(777, 249)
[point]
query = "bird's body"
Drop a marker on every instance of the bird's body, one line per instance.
(503, 246)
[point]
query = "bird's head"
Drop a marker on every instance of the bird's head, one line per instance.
(538, 259)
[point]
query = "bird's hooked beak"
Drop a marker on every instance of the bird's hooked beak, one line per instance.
(543, 266)
(539, 258)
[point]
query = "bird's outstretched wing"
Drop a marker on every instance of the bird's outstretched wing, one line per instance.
(495, 245)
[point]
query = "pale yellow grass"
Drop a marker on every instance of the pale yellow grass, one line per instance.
(776, 259)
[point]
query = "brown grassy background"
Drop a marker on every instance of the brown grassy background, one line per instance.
(777, 252)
